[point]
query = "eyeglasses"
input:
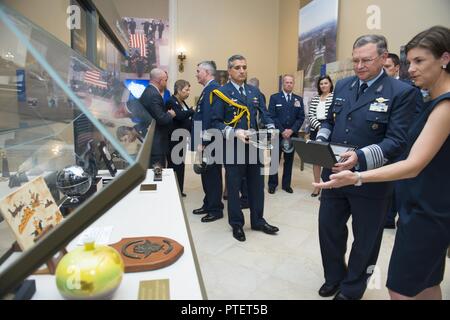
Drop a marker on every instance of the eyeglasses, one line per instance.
(364, 62)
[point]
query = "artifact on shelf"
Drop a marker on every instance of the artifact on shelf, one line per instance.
(148, 253)
(87, 159)
(5, 166)
(73, 182)
(157, 172)
(31, 212)
(89, 272)
(106, 157)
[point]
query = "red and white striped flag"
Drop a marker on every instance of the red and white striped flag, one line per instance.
(94, 78)
(138, 40)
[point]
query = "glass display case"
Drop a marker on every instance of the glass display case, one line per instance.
(46, 89)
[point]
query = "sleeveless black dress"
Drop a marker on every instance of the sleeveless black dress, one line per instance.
(423, 236)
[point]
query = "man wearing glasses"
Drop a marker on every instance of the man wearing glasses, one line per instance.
(370, 111)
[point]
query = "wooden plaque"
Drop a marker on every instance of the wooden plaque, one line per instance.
(148, 253)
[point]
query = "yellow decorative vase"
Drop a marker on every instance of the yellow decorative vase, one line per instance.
(89, 272)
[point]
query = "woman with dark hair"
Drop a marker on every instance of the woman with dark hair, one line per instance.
(417, 264)
(318, 112)
(182, 120)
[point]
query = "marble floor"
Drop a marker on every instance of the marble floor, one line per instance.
(284, 266)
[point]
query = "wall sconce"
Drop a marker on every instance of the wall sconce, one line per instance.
(181, 58)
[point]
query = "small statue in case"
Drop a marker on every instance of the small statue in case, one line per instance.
(106, 157)
(87, 161)
(157, 172)
(5, 166)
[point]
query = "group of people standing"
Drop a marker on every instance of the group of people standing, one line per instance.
(396, 135)
(149, 26)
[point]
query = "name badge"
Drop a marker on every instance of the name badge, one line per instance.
(379, 105)
(339, 101)
(278, 105)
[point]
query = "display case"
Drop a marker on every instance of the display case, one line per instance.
(62, 120)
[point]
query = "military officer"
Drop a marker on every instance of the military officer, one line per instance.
(235, 111)
(287, 111)
(370, 111)
(212, 177)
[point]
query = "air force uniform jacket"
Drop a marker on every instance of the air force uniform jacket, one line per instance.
(376, 124)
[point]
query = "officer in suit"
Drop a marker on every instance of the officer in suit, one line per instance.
(370, 111)
(152, 100)
(212, 177)
(235, 110)
(287, 111)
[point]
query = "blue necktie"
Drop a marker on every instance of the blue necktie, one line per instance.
(362, 89)
(241, 91)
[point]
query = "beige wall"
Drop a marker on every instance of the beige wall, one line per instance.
(49, 14)
(143, 8)
(217, 29)
(288, 37)
(400, 21)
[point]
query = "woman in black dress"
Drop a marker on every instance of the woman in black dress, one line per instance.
(182, 120)
(417, 264)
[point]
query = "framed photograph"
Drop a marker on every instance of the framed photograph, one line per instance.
(31, 212)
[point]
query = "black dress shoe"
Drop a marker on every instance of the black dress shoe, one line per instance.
(315, 194)
(341, 296)
(211, 218)
(328, 290)
(267, 228)
(238, 234)
(271, 190)
(288, 190)
(199, 211)
(183, 194)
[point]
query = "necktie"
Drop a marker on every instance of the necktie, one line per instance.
(241, 91)
(361, 89)
(289, 98)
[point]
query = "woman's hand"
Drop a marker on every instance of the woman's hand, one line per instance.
(341, 179)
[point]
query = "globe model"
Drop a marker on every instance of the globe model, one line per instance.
(89, 272)
(73, 181)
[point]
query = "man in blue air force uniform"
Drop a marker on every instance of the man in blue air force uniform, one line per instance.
(235, 111)
(212, 177)
(372, 112)
(287, 111)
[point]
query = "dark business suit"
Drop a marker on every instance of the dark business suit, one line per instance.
(376, 124)
(286, 115)
(140, 116)
(182, 120)
(153, 102)
(224, 113)
(212, 178)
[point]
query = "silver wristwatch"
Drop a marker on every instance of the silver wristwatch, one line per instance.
(359, 182)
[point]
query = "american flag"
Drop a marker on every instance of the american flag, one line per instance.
(94, 78)
(138, 40)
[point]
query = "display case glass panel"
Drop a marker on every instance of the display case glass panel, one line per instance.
(46, 88)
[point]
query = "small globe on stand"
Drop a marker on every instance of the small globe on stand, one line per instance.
(73, 182)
